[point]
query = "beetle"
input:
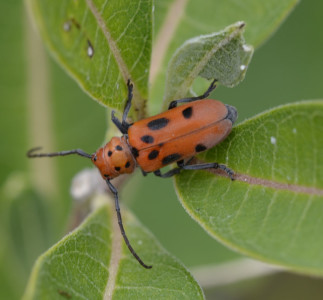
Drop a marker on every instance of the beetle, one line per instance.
(175, 135)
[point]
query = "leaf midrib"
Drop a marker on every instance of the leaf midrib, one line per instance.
(117, 55)
(116, 252)
(113, 46)
(302, 189)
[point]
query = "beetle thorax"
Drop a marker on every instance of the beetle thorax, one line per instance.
(114, 159)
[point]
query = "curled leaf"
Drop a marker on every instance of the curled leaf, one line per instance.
(222, 55)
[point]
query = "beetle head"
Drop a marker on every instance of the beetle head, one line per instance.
(114, 159)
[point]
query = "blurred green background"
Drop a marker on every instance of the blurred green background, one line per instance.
(35, 203)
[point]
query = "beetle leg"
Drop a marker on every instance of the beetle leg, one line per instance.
(191, 99)
(117, 207)
(170, 173)
(143, 172)
(182, 162)
(227, 170)
(125, 124)
(181, 166)
(120, 126)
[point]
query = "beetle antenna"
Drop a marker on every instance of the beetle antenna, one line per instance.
(116, 198)
(80, 152)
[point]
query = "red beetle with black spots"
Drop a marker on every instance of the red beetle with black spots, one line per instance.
(175, 135)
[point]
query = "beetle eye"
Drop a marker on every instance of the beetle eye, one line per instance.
(95, 158)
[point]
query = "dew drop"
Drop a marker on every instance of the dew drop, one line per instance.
(90, 49)
(243, 67)
(67, 26)
(273, 140)
(294, 130)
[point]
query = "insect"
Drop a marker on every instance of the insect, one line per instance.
(175, 135)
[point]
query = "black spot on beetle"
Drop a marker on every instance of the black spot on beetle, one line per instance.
(171, 158)
(187, 112)
(117, 168)
(135, 152)
(148, 139)
(127, 165)
(158, 124)
(119, 148)
(200, 148)
(153, 154)
(109, 153)
(160, 144)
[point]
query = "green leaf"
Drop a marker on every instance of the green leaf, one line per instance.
(200, 17)
(101, 44)
(178, 21)
(272, 211)
(24, 233)
(93, 262)
(222, 55)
